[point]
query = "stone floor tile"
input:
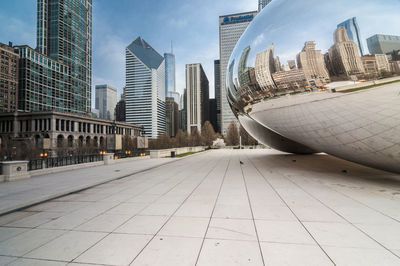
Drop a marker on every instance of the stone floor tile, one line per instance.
(35, 262)
(185, 227)
(277, 254)
(283, 232)
(162, 209)
(233, 229)
(229, 252)
(272, 212)
(359, 256)
(145, 225)
(115, 249)
(35, 220)
(103, 223)
(168, 250)
(27, 241)
(14, 216)
(232, 211)
(339, 235)
(194, 209)
(66, 247)
(383, 233)
(9, 232)
(4, 260)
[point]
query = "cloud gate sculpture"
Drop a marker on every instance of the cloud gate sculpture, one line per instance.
(322, 76)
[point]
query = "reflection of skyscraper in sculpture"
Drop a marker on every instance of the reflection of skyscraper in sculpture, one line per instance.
(344, 55)
(243, 70)
(353, 31)
(313, 65)
(292, 64)
(290, 80)
(382, 62)
(264, 67)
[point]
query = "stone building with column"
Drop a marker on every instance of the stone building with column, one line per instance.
(53, 131)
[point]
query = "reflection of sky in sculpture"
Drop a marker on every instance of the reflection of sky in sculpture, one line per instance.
(288, 24)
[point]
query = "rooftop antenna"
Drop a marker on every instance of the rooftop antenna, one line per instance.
(172, 48)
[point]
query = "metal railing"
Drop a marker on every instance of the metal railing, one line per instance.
(35, 165)
(122, 155)
(63, 161)
(72, 160)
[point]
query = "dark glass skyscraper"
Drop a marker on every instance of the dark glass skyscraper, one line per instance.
(353, 31)
(64, 33)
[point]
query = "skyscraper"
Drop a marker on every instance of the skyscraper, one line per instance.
(106, 101)
(344, 56)
(64, 33)
(44, 83)
(145, 88)
(197, 87)
(383, 44)
(353, 31)
(312, 62)
(8, 79)
(172, 116)
(264, 68)
(231, 28)
(262, 4)
(217, 91)
(169, 73)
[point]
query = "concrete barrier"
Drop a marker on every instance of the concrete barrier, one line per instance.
(154, 154)
(15, 170)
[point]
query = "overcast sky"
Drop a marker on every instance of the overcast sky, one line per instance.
(192, 26)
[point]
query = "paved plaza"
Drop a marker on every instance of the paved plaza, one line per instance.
(223, 207)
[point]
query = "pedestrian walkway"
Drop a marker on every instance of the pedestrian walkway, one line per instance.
(224, 207)
(21, 193)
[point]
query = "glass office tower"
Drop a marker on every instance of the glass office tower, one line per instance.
(64, 33)
(353, 31)
(145, 88)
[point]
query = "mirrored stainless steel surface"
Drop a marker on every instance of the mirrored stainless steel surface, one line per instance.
(303, 78)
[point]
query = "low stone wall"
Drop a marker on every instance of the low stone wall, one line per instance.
(22, 173)
(154, 154)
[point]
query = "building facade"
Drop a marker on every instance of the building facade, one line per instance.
(172, 113)
(312, 62)
(183, 111)
(52, 130)
(262, 4)
(231, 28)
(197, 89)
(8, 78)
(264, 67)
(44, 83)
(64, 33)
(353, 31)
(170, 75)
(106, 101)
(213, 114)
(383, 44)
(344, 55)
(145, 88)
(217, 92)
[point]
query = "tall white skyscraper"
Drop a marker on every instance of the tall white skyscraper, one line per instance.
(145, 88)
(262, 4)
(197, 89)
(231, 28)
(106, 100)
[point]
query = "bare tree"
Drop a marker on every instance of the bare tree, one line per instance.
(207, 134)
(181, 138)
(232, 135)
(195, 138)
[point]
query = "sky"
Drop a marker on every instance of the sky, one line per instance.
(191, 25)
